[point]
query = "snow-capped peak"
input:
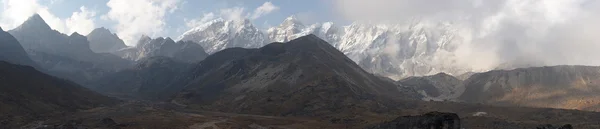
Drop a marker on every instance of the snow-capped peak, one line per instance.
(395, 50)
(219, 34)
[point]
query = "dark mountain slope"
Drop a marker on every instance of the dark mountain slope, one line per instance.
(146, 80)
(37, 37)
(568, 87)
(62, 55)
(11, 51)
(306, 76)
(27, 94)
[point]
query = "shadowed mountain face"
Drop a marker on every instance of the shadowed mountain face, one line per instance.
(11, 51)
(440, 86)
(303, 76)
(64, 56)
(27, 94)
(568, 87)
(104, 41)
(185, 51)
(147, 80)
(37, 37)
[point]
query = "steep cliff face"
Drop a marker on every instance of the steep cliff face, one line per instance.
(568, 87)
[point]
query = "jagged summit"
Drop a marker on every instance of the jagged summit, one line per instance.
(103, 40)
(101, 30)
(292, 21)
(388, 49)
(220, 34)
(186, 51)
(77, 34)
(35, 22)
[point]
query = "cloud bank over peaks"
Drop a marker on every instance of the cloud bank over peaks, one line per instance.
(498, 32)
(234, 13)
(147, 17)
(264, 9)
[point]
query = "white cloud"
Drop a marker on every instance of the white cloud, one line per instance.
(235, 13)
(146, 17)
(264, 9)
(197, 22)
(15, 12)
(81, 22)
(550, 32)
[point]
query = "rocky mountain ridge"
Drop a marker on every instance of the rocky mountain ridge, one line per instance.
(391, 50)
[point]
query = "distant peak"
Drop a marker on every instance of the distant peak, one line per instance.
(76, 34)
(311, 38)
(442, 74)
(145, 37)
(102, 29)
(291, 21)
(35, 17)
(1, 29)
(143, 40)
(168, 39)
(291, 18)
(35, 21)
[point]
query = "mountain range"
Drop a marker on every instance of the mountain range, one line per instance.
(103, 41)
(147, 47)
(279, 78)
(392, 50)
(12, 51)
(317, 76)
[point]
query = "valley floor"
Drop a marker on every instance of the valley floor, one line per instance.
(141, 114)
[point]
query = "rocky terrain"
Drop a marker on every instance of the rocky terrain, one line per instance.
(566, 87)
(147, 47)
(220, 34)
(103, 41)
(279, 78)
